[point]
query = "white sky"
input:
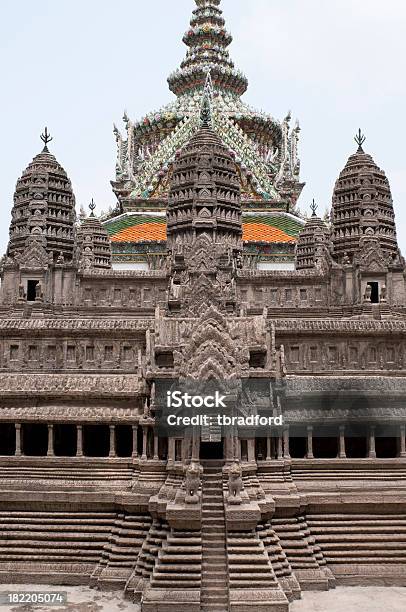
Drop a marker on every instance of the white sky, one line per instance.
(75, 65)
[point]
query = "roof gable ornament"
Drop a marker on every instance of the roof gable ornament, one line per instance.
(46, 137)
(92, 207)
(360, 139)
(313, 208)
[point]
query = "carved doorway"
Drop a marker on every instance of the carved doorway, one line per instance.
(212, 450)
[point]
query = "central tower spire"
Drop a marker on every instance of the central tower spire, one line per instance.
(207, 40)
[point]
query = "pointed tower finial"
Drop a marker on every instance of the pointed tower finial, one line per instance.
(46, 137)
(92, 206)
(313, 208)
(207, 97)
(360, 139)
(208, 42)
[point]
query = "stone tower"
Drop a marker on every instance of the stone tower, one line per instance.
(204, 198)
(314, 233)
(362, 207)
(265, 153)
(94, 246)
(44, 206)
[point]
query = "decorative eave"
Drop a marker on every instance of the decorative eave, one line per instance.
(349, 327)
(78, 326)
(70, 385)
(75, 413)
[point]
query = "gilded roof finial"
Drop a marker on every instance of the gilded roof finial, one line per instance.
(92, 206)
(313, 208)
(205, 110)
(46, 137)
(360, 139)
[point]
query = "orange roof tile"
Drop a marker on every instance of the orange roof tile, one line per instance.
(261, 232)
(141, 233)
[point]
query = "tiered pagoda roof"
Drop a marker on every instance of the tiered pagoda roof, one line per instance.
(44, 205)
(264, 149)
(362, 206)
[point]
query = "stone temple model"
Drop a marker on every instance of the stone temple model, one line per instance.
(93, 490)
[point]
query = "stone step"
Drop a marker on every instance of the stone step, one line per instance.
(184, 541)
(215, 599)
(215, 579)
(208, 546)
(347, 541)
(181, 550)
(218, 565)
(189, 569)
(178, 584)
(218, 556)
(167, 557)
(371, 553)
(253, 580)
(247, 568)
(212, 494)
(176, 576)
(248, 549)
(17, 556)
(212, 528)
(208, 520)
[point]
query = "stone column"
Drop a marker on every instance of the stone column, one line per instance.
(372, 452)
(286, 452)
(171, 450)
(342, 452)
(135, 441)
(268, 448)
(251, 450)
(196, 445)
(144, 442)
(50, 452)
(309, 454)
(280, 447)
(229, 448)
(239, 453)
(18, 452)
(79, 441)
(112, 452)
(402, 441)
(237, 448)
(156, 441)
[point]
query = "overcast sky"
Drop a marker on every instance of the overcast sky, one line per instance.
(75, 65)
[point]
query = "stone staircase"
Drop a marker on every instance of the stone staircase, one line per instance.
(48, 474)
(303, 553)
(121, 552)
(280, 564)
(178, 564)
(147, 557)
(362, 548)
(214, 585)
(47, 547)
